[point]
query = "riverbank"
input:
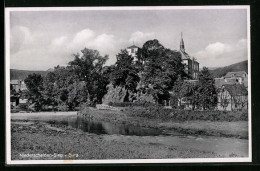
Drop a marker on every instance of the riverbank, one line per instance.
(236, 129)
(32, 133)
(34, 137)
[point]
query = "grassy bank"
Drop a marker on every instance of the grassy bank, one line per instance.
(187, 122)
(38, 138)
(158, 112)
(34, 137)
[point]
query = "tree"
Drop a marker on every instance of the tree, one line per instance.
(34, 84)
(88, 67)
(224, 98)
(184, 89)
(240, 102)
(161, 69)
(57, 86)
(207, 92)
(125, 73)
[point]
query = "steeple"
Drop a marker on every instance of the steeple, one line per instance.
(182, 44)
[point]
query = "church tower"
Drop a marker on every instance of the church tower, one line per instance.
(182, 44)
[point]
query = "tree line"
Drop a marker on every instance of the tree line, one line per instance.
(158, 71)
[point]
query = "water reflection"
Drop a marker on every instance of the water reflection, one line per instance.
(90, 126)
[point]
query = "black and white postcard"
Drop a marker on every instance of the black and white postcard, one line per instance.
(88, 85)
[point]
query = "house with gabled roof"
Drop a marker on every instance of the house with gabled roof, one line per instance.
(239, 74)
(232, 97)
(240, 77)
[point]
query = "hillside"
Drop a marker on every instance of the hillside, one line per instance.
(222, 71)
(22, 74)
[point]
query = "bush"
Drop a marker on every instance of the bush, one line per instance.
(88, 104)
(158, 112)
(120, 104)
(63, 107)
(23, 106)
(130, 104)
(84, 107)
(154, 111)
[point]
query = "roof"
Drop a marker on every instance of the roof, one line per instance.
(236, 74)
(184, 55)
(236, 89)
(14, 82)
(221, 81)
(132, 47)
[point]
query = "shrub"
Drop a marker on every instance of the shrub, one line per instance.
(23, 106)
(129, 104)
(89, 104)
(62, 107)
(158, 112)
(154, 111)
(120, 104)
(84, 108)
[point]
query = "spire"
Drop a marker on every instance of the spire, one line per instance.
(182, 44)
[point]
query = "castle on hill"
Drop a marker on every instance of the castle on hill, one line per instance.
(190, 63)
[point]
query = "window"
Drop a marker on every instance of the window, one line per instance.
(132, 50)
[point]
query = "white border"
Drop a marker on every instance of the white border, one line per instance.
(120, 161)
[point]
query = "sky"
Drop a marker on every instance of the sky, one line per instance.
(40, 40)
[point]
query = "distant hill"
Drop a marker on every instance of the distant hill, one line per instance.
(16, 74)
(222, 71)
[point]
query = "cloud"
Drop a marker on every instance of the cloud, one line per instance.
(20, 37)
(60, 41)
(214, 50)
(140, 37)
(222, 54)
(83, 36)
(105, 43)
(242, 43)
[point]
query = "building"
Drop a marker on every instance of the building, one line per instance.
(14, 100)
(232, 97)
(132, 51)
(240, 77)
(191, 64)
(239, 74)
(17, 85)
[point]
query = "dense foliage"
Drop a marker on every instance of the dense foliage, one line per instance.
(125, 73)
(34, 84)
(158, 72)
(82, 81)
(161, 69)
(207, 95)
(158, 112)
